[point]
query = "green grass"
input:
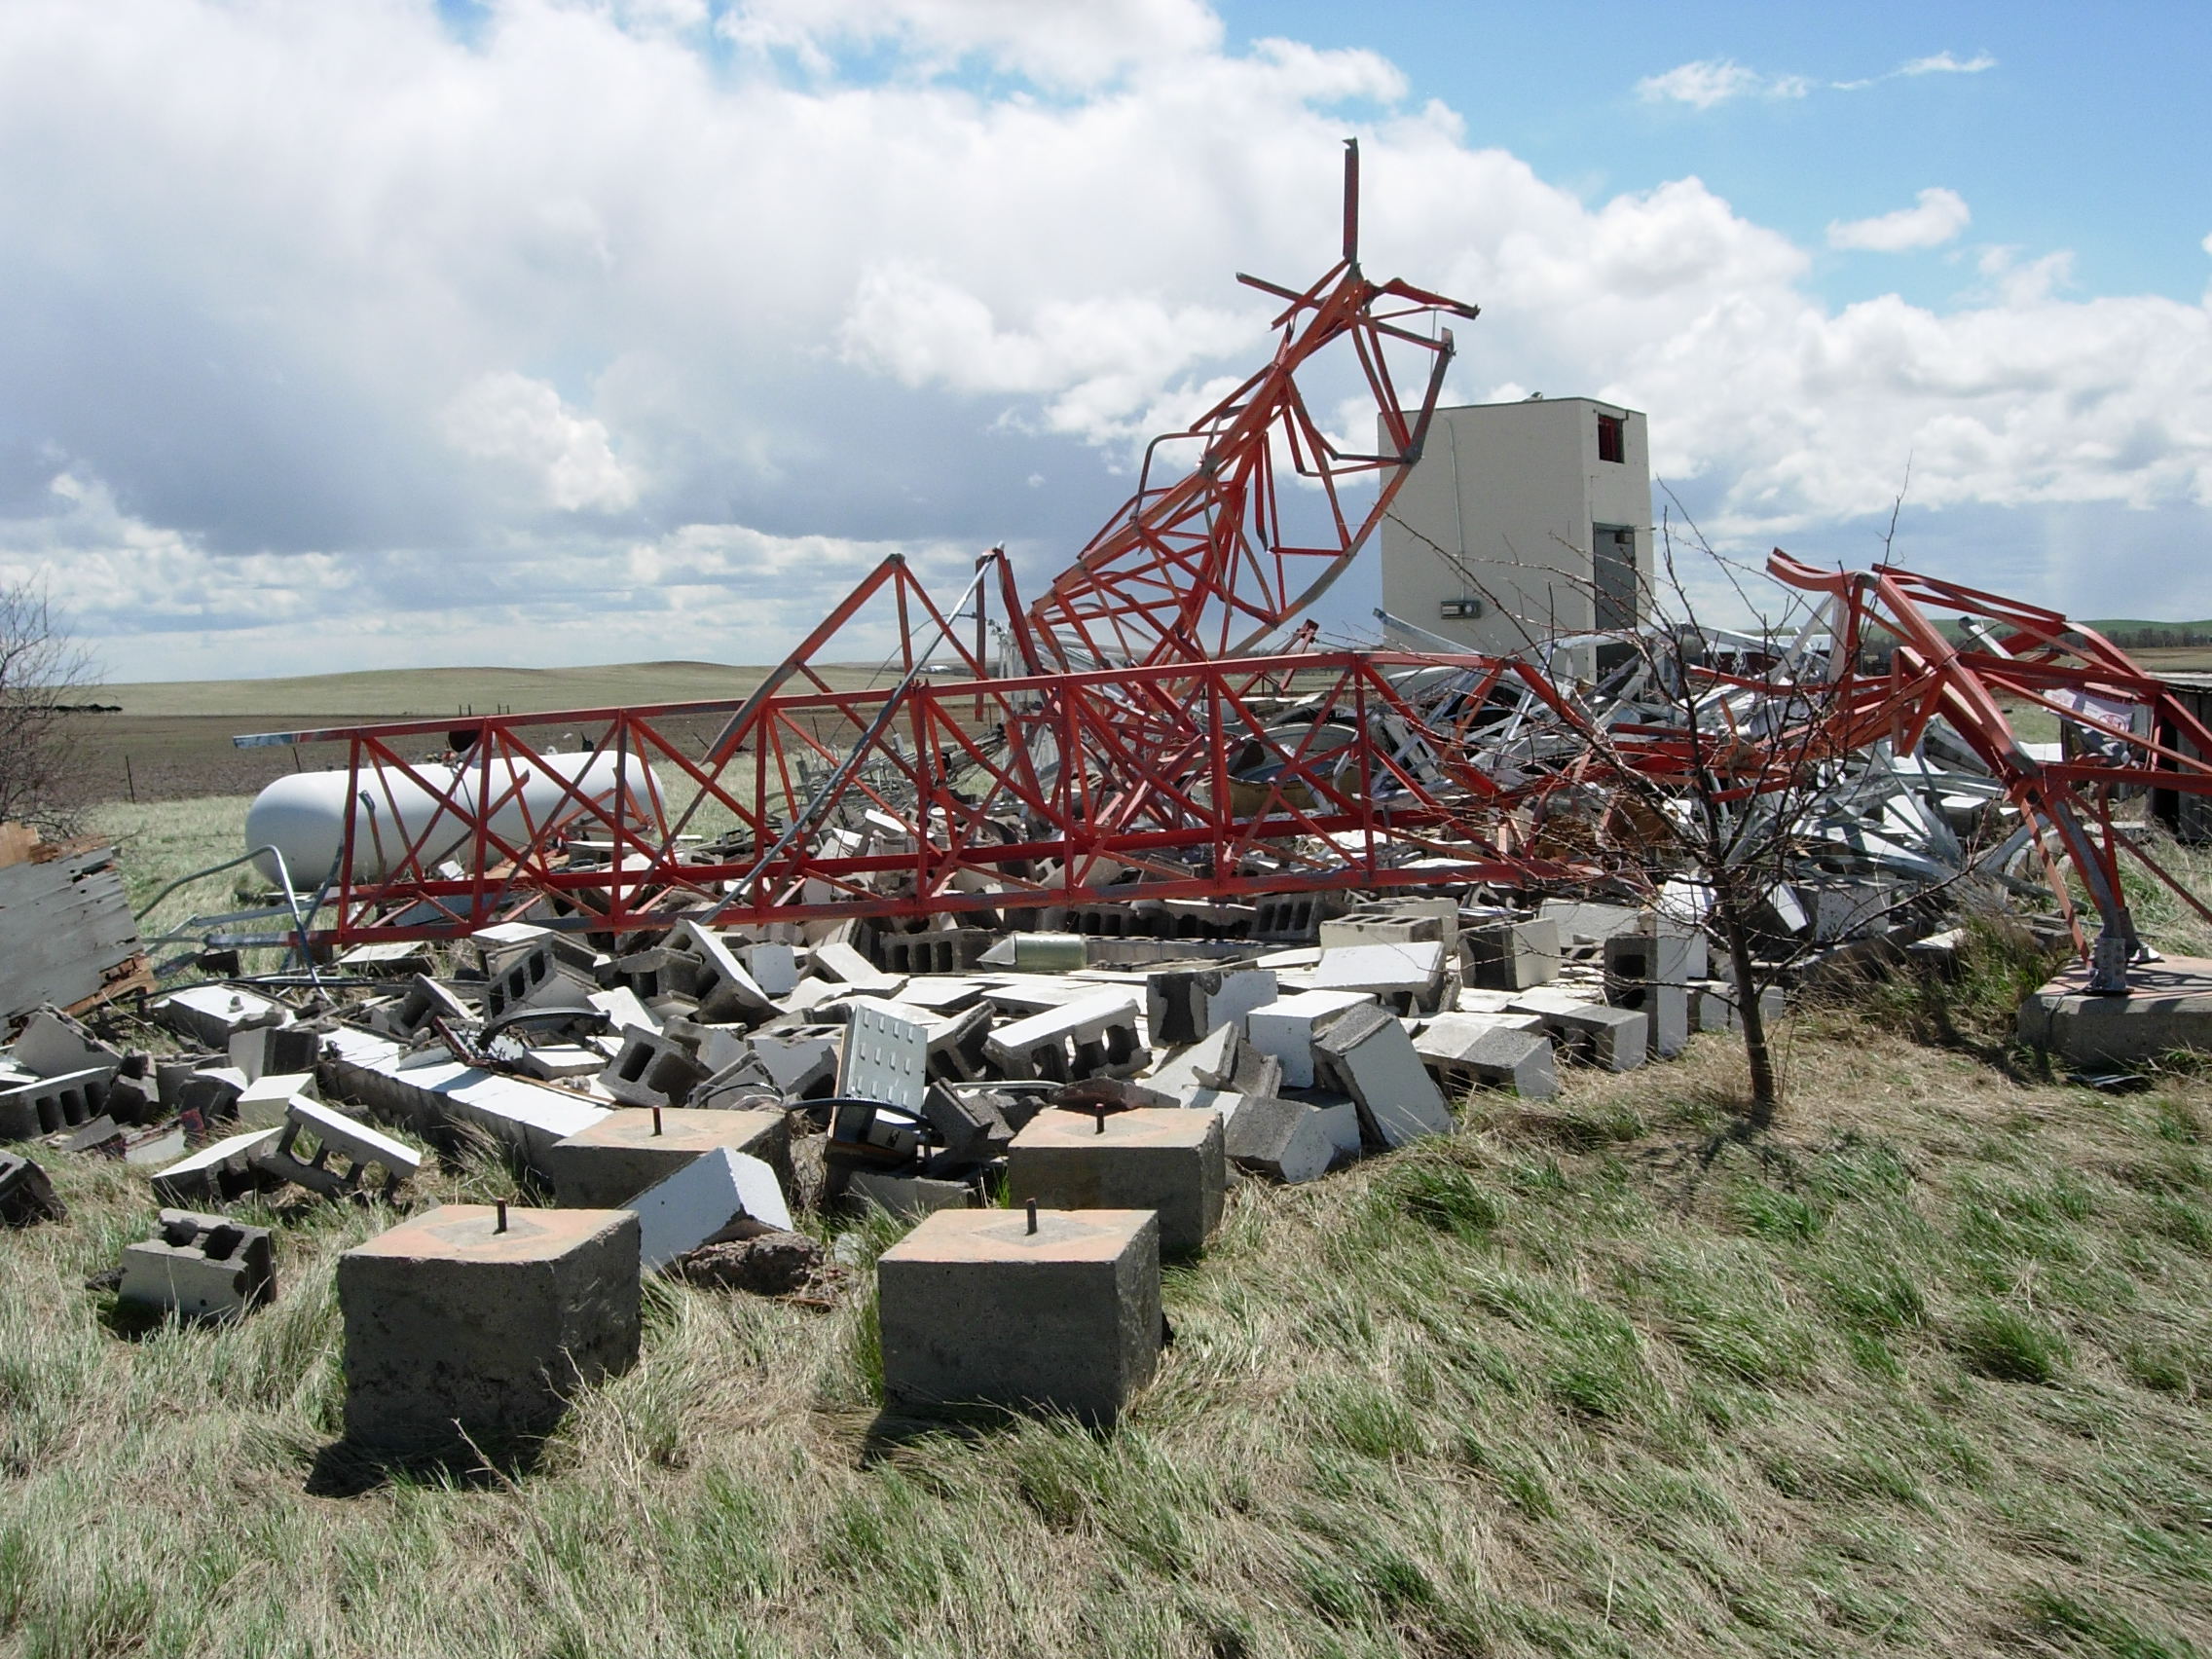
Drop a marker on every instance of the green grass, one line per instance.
(1924, 1367)
(1920, 1369)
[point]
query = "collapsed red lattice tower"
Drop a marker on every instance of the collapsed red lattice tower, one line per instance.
(1144, 731)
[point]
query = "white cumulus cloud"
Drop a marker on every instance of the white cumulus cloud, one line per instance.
(508, 416)
(1944, 63)
(1936, 217)
(1070, 43)
(1711, 80)
(586, 338)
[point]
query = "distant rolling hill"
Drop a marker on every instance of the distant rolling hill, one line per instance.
(398, 693)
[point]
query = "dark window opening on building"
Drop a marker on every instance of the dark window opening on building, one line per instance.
(1613, 444)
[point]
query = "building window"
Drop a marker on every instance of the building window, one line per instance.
(1612, 442)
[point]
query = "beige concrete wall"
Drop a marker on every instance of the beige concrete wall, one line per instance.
(1510, 492)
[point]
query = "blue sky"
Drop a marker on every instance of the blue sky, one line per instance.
(2087, 131)
(547, 331)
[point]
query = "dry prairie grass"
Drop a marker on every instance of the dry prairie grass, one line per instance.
(1922, 1365)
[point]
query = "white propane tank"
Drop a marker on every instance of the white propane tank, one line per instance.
(304, 816)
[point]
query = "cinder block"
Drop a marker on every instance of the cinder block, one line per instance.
(1616, 1037)
(534, 977)
(1093, 1036)
(52, 1104)
(1513, 955)
(216, 1170)
(262, 1103)
(774, 967)
(335, 1136)
(261, 1051)
(611, 1163)
(906, 1195)
(1490, 1051)
(1161, 1158)
(1654, 954)
(27, 1197)
(1406, 977)
(975, 1308)
(849, 968)
(1184, 1005)
(1284, 1140)
(699, 1201)
(453, 1327)
(1286, 1028)
(52, 1045)
(725, 987)
(1368, 1054)
(1589, 923)
(200, 1267)
(651, 1070)
(1666, 1010)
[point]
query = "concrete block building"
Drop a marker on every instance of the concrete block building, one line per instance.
(1522, 521)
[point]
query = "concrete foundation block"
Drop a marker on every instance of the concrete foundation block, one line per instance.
(208, 1014)
(1284, 1140)
(611, 1163)
(453, 1326)
(976, 1309)
(2167, 1006)
(1159, 1158)
(1369, 1055)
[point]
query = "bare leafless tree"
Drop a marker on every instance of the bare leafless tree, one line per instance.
(1702, 762)
(44, 676)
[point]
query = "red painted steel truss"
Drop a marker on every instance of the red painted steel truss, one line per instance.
(1119, 746)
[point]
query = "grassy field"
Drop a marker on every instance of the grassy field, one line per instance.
(434, 693)
(1920, 1367)
(1923, 1365)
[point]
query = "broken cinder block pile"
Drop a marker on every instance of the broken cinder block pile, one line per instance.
(684, 1098)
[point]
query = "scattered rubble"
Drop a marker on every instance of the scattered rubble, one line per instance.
(1155, 892)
